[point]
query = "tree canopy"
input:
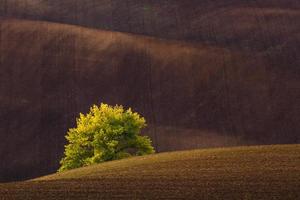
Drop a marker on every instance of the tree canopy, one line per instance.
(105, 133)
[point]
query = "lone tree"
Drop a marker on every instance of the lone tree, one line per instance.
(105, 133)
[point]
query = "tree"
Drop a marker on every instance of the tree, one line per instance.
(105, 133)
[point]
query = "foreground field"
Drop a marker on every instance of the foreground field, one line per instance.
(261, 172)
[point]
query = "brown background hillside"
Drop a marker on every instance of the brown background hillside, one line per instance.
(242, 24)
(238, 83)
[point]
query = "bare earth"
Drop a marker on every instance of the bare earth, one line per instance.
(258, 172)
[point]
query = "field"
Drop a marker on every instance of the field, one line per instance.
(203, 73)
(242, 24)
(258, 172)
(61, 70)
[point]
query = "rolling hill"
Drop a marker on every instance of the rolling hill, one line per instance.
(259, 172)
(50, 72)
(215, 73)
(269, 26)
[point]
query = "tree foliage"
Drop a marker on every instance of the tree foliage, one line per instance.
(105, 133)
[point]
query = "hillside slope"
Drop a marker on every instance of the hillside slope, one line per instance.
(264, 25)
(262, 172)
(51, 72)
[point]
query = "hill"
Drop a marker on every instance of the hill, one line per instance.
(242, 24)
(261, 172)
(50, 72)
(267, 28)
